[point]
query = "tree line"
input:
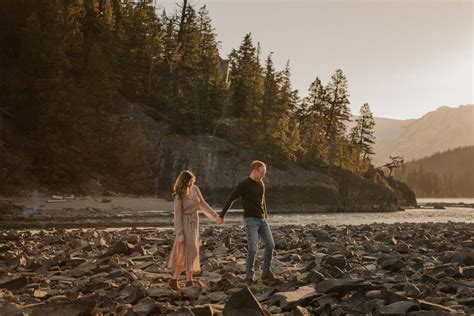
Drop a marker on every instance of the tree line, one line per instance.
(446, 174)
(61, 59)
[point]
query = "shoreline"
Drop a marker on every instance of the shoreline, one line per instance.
(42, 212)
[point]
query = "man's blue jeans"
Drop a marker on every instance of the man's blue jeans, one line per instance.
(255, 227)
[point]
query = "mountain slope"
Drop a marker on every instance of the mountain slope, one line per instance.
(440, 130)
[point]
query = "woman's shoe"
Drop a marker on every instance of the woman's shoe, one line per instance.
(189, 283)
(174, 284)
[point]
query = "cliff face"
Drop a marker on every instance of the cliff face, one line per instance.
(142, 157)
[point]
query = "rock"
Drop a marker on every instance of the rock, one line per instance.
(392, 264)
(183, 311)
(205, 310)
(321, 235)
(40, 294)
(342, 286)
(391, 297)
(402, 247)
(399, 308)
(82, 306)
(192, 292)
(337, 261)
(11, 309)
(411, 290)
(120, 247)
(243, 303)
(132, 293)
(274, 309)
(217, 296)
(468, 272)
(314, 277)
(14, 284)
(17, 261)
(159, 292)
(301, 296)
(431, 306)
(145, 306)
(460, 257)
(429, 313)
(373, 306)
(300, 311)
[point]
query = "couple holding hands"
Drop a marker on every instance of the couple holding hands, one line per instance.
(188, 200)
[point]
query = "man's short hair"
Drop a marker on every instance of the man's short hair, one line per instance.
(256, 164)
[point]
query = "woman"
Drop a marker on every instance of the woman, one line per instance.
(185, 254)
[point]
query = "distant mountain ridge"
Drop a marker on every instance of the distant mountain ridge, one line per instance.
(440, 130)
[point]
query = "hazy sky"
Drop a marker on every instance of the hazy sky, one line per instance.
(404, 58)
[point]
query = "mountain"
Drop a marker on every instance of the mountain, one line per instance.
(439, 130)
(446, 174)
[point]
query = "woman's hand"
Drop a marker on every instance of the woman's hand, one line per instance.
(180, 238)
(218, 220)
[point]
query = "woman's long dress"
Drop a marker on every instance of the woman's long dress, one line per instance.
(186, 222)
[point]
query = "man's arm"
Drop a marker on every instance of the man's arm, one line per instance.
(265, 207)
(230, 200)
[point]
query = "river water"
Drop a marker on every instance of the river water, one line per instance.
(418, 215)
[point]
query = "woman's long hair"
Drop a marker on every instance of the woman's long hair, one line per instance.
(181, 184)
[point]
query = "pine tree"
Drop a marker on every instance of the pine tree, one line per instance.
(338, 114)
(313, 123)
(247, 89)
(280, 141)
(362, 137)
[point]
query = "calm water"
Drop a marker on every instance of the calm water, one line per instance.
(454, 214)
(445, 200)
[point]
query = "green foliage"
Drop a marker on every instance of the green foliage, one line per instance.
(68, 63)
(362, 139)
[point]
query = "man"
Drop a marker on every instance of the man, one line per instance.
(252, 191)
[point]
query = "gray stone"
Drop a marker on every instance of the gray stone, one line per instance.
(337, 261)
(342, 286)
(120, 247)
(300, 311)
(206, 310)
(399, 308)
(145, 306)
(402, 248)
(314, 276)
(14, 284)
(392, 264)
(217, 296)
(412, 290)
(192, 292)
(301, 296)
(183, 311)
(468, 272)
(243, 303)
(82, 306)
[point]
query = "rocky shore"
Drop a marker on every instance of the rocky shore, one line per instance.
(377, 269)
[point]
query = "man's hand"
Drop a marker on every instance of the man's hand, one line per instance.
(180, 238)
(219, 220)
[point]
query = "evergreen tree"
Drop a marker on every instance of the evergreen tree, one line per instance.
(338, 114)
(313, 122)
(246, 89)
(362, 138)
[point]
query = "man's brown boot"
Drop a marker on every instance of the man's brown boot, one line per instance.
(271, 278)
(174, 284)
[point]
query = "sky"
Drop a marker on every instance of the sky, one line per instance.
(403, 57)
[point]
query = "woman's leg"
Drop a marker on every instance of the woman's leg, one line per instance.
(178, 271)
(189, 276)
